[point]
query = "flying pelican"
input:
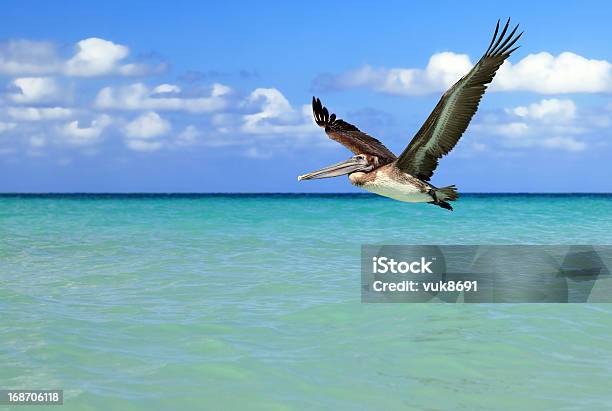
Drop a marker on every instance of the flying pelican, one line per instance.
(406, 178)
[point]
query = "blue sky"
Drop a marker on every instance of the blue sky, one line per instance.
(195, 97)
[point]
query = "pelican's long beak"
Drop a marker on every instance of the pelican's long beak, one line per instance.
(349, 166)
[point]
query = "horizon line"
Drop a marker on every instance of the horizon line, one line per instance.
(12, 193)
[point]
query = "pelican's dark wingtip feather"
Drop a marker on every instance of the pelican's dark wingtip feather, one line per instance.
(506, 40)
(509, 39)
(512, 51)
(500, 38)
(493, 39)
(319, 112)
(501, 44)
(505, 49)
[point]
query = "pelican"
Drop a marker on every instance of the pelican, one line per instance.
(406, 178)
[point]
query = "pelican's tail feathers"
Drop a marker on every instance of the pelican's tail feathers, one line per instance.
(447, 193)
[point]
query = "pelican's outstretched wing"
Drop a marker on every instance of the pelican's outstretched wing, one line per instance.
(350, 136)
(451, 116)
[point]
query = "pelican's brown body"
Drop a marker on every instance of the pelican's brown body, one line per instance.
(406, 178)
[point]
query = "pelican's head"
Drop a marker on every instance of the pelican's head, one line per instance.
(360, 163)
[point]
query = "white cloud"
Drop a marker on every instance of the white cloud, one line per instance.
(25, 57)
(35, 105)
(546, 74)
(442, 70)
(34, 89)
(512, 129)
(166, 88)
(548, 124)
(38, 114)
(219, 90)
(563, 143)
(556, 116)
(83, 135)
(188, 136)
(147, 126)
(139, 97)
(541, 73)
(93, 57)
(274, 105)
(275, 115)
(548, 110)
(144, 145)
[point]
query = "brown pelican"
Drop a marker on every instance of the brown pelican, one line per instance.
(406, 178)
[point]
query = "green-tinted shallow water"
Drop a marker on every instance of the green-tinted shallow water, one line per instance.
(252, 302)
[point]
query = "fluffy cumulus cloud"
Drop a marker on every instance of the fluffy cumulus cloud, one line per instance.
(548, 74)
(563, 143)
(442, 70)
(25, 57)
(38, 113)
(79, 100)
(163, 97)
(95, 57)
(166, 89)
(555, 124)
(548, 111)
(142, 133)
(77, 133)
(189, 136)
(34, 89)
(146, 126)
(92, 57)
(38, 108)
(275, 115)
(29, 111)
(540, 73)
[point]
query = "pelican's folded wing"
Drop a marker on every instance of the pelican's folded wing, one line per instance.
(451, 116)
(348, 135)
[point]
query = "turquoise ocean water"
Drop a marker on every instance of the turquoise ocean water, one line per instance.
(253, 302)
